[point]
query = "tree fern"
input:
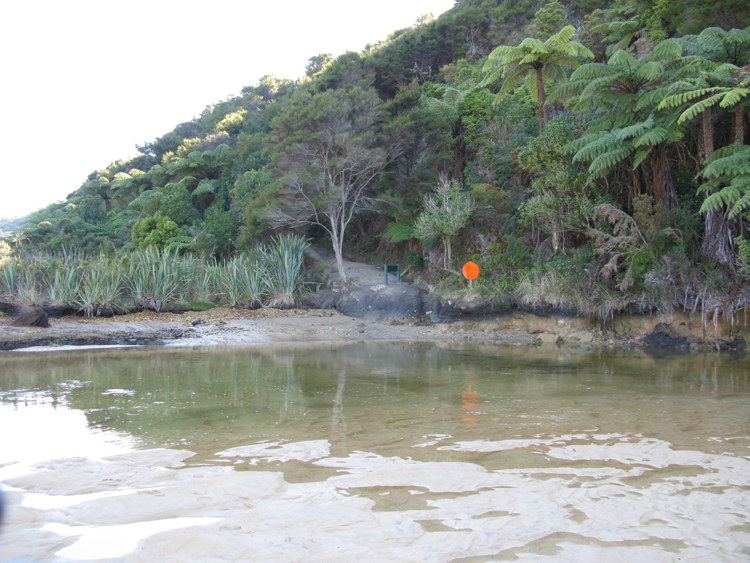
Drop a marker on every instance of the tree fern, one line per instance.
(205, 187)
(145, 198)
(729, 170)
(400, 232)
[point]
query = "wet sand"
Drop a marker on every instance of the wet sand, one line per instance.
(224, 326)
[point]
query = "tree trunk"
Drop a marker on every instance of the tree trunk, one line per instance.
(656, 178)
(717, 237)
(708, 133)
(337, 241)
(447, 253)
(339, 260)
(542, 97)
(739, 125)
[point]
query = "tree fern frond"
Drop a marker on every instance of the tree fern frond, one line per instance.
(580, 142)
(650, 137)
(651, 71)
(400, 232)
(609, 160)
(601, 144)
(621, 58)
(179, 244)
(510, 84)
(501, 51)
(733, 97)
(698, 108)
(205, 187)
(453, 96)
(562, 36)
(668, 49)
(591, 71)
(721, 199)
(732, 160)
(676, 100)
(635, 129)
(446, 111)
(145, 198)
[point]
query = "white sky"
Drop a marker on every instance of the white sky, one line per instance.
(83, 82)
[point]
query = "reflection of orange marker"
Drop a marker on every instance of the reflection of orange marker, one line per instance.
(470, 398)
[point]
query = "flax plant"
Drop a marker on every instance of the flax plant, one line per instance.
(100, 288)
(63, 286)
(199, 280)
(9, 274)
(153, 278)
(244, 280)
(284, 261)
(28, 291)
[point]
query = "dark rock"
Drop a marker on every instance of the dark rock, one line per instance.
(549, 310)
(31, 316)
(177, 309)
(152, 338)
(733, 345)
(461, 306)
(199, 322)
(8, 308)
(661, 339)
(382, 302)
(458, 307)
(255, 305)
(321, 299)
(57, 311)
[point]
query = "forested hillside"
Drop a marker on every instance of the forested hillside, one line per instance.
(583, 153)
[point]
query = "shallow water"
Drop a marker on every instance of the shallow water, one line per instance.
(396, 452)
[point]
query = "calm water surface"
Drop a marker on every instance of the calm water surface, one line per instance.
(396, 452)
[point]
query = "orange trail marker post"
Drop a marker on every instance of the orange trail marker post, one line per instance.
(470, 271)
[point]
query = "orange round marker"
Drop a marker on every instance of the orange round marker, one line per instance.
(470, 271)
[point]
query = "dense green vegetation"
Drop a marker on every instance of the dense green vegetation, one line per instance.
(598, 149)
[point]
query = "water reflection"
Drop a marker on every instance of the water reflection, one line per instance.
(406, 451)
(343, 392)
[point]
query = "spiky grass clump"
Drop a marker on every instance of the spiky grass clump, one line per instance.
(100, 288)
(63, 286)
(153, 278)
(244, 281)
(284, 260)
(9, 274)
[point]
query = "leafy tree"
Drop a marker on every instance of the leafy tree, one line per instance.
(155, 230)
(223, 228)
(317, 63)
(538, 62)
(331, 150)
(548, 19)
(561, 198)
(444, 214)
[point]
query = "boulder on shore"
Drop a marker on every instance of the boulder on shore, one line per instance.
(382, 303)
(31, 316)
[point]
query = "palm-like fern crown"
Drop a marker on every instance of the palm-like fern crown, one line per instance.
(623, 93)
(552, 57)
